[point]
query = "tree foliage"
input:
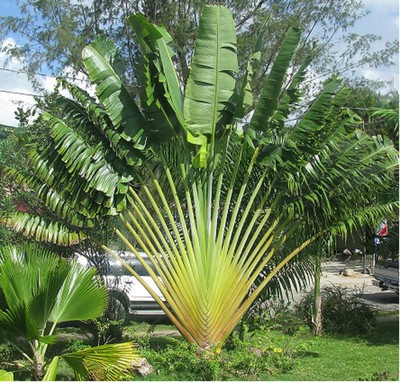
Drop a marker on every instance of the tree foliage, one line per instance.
(56, 32)
(380, 113)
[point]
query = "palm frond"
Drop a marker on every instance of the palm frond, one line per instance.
(158, 73)
(210, 88)
(42, 229)
(51, 372)
(111, 362)
(81, 296)
(6, 375)
(268, 102)
(100, 60)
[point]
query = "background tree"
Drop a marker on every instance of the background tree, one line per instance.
(170, 169)
(379, 112)
(6, 236)
(56, 32)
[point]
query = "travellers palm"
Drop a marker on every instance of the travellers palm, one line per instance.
(214, 187)
(38, 291)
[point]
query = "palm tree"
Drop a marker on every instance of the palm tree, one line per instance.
(211, 193)
(39, 290)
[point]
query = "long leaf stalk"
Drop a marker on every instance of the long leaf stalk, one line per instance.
(186, 256)
(249, 301)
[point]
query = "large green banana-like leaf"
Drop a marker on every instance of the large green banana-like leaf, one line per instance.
(268, 102)
(303, 141)
(111, 362)
(245, 99)
(327, 182)
(80, 194)
(51, 199)
(126, 117)
(155, 43)
(369, 215)
(292, 94)
(312, 122)
(86, 108)
(85, 161)
(210, 87)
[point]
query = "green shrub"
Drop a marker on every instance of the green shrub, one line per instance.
(179, 360)
(104, 331)
(7, 352)
(141, 333)
(274, 315)
(258, 354)
(75, 345)
(343, 311)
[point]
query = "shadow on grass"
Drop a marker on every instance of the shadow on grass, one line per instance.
(160, 343)
(310, 354)
(386, 333)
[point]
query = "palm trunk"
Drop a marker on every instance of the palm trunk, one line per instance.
(317, 303)
(39, 350)
(38, 367)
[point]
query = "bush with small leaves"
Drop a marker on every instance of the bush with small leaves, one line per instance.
(343, 311)
(260, 352)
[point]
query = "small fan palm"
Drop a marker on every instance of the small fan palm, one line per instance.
(211, 199)
(40, 290)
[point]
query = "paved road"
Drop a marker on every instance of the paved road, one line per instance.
(332, 274)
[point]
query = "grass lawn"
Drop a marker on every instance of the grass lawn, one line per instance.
(328, 358)
(374, 357)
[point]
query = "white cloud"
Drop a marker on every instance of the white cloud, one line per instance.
(8, 105)
(383, 21)
(14, 83)
(11, 83)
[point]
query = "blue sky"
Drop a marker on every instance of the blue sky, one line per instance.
(383, 20)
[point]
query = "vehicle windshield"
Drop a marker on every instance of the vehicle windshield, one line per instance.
(115, 268)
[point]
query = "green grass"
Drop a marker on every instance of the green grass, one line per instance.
(373, 357)
(334, 358)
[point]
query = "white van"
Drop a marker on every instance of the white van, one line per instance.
(127, 296)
